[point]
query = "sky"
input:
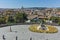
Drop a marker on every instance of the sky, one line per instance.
(29, 3)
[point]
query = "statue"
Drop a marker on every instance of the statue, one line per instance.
(42, 27)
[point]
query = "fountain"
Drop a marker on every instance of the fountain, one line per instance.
(42, 27)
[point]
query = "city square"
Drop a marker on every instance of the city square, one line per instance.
(22, 33)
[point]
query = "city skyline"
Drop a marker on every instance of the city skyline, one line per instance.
(29, 3)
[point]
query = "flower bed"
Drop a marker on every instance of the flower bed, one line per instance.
(52, 29)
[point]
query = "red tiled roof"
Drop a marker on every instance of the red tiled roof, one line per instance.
(58, 13)
(41, 17)
(32, 16)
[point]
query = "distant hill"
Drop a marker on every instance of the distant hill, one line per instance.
(39, 8)
(2, 9)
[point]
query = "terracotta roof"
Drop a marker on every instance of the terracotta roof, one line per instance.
(41, 17)
(58, 13)
(32, 16)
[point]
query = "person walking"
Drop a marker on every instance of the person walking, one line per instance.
(3, 37)
(16, 38)
(31, 38)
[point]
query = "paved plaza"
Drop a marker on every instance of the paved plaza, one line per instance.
(22, 33)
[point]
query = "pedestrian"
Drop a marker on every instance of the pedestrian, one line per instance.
(3, 37)
(16, 38)
(31, 38)
(46, 39)
(10, 29)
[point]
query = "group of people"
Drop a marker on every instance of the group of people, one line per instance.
(5, 38)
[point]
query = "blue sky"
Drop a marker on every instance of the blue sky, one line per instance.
(29, 3)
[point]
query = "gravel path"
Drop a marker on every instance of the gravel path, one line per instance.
(22, 33)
